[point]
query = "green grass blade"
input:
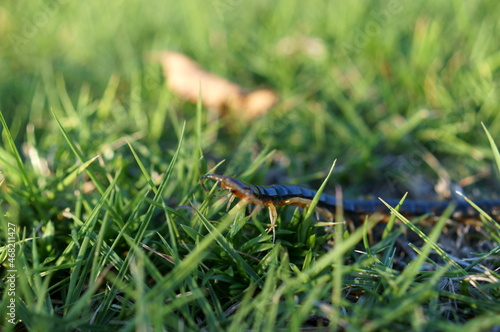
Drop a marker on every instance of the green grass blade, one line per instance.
(494, 148)
(19, 161)
(228, 247)
(436, 230)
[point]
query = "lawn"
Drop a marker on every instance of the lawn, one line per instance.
(104, 224)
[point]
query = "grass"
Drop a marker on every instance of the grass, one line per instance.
(100, 165)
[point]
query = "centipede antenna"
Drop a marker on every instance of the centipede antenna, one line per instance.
(203, 184)
(205, 187)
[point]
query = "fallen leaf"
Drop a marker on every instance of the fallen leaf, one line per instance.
(185, 78)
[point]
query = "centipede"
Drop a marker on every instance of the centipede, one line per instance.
(281, 195)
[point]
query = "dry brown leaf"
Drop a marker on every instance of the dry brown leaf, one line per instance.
(185, 77)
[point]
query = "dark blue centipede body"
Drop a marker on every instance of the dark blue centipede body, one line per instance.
(278, 194)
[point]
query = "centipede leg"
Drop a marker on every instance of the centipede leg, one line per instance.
(273, 215)
(326, 214)
(230, 201)
(255, 210)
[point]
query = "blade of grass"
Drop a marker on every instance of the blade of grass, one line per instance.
(261, 158)
(116, 216)
(436, 230)
(76, 280)
(494, 148)
(148, 216)
(143, 168)
(24, 175)
(221, 240)
(70, 178)
(108, 97)
(397, 308)
(188, 264)
(311, 208)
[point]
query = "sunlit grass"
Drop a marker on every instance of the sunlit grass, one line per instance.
(100, 165)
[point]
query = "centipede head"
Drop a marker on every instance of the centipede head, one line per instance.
(237, 187)
(215, 177)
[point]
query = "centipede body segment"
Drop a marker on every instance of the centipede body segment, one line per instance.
(280, 195)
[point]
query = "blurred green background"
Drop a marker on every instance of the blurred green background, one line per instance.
(394, 90)
(374, 84)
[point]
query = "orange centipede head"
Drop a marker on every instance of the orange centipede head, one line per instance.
(237, 187)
